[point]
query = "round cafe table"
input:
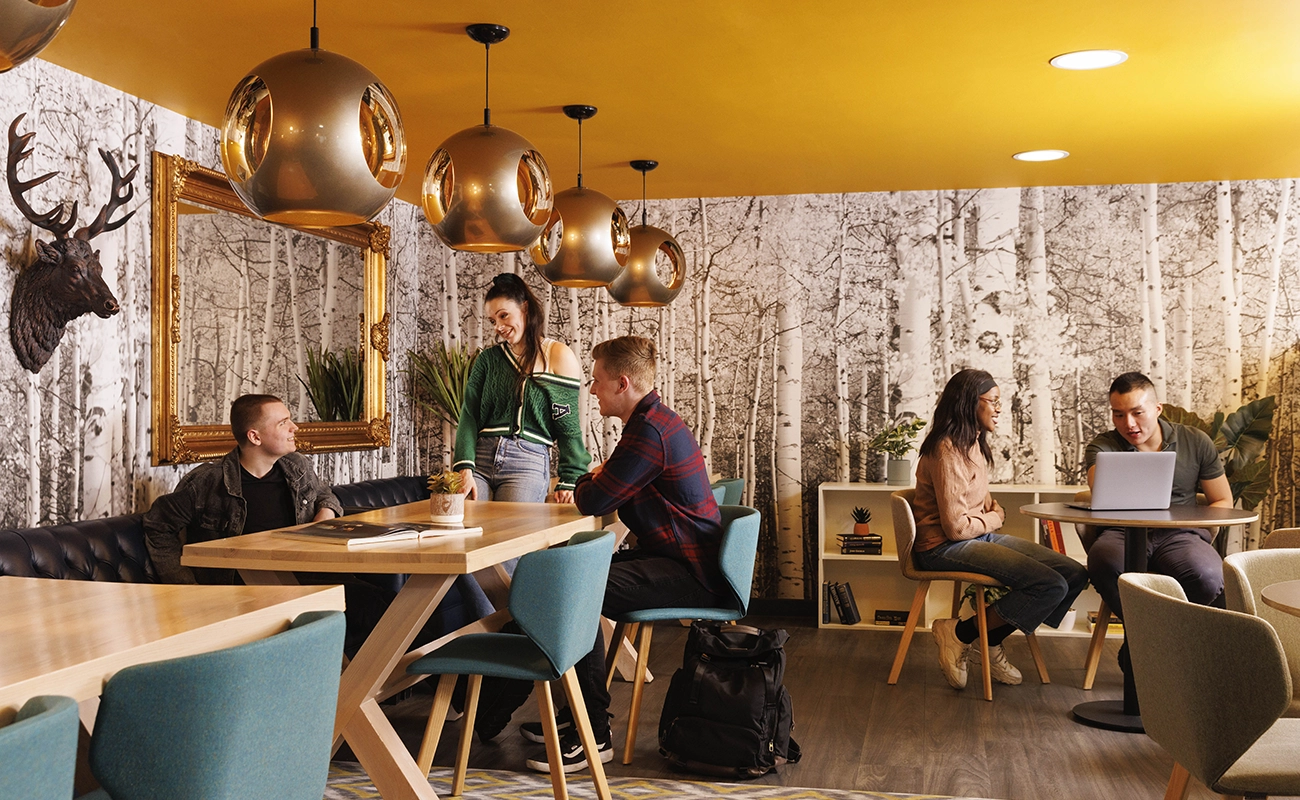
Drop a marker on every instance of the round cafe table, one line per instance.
(1124, 715)
(1283, 596)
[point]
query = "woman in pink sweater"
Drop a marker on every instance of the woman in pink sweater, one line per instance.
(956, 524)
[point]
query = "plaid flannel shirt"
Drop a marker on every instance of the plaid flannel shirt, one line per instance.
(657, 481)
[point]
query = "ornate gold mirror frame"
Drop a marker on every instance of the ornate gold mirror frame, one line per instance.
(177, 180)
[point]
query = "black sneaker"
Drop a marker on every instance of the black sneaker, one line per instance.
(532, 731)
(572, 756)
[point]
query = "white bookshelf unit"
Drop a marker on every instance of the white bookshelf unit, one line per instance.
(877, 581)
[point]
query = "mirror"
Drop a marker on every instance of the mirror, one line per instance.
(243, 305)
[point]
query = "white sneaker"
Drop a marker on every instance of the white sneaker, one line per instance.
(1000, 669)
(952, 652)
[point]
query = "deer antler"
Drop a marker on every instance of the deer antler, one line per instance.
(116, 200)
(52, 220)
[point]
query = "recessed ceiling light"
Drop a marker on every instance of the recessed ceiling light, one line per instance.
(1041, 155)
(1089, 59)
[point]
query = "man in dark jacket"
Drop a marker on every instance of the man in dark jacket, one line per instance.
(262, 484)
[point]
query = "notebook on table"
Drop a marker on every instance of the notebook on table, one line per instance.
(353, 533)
(1131, 482)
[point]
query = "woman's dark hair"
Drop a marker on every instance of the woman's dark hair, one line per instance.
(955, 417)
(509, 286)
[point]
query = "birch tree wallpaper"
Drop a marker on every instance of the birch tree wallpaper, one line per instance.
(807, 323)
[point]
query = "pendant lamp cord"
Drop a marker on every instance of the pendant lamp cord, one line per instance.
(487, 74)
(643, 200)
(315, 32)
(579, 152)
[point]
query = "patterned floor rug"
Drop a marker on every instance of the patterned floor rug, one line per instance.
(350, 782)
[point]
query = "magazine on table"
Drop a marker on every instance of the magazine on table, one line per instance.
(354, 533)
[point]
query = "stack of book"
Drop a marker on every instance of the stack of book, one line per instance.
(840, 597)
(853, 544)
(1116, 625)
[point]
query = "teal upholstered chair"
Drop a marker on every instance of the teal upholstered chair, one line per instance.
(733, 491)
(719, 493)
(38, 751)
(740, 526)
(1213, 685)
(255, 720)
(555, 598)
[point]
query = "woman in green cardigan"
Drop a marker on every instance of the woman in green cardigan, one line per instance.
(521, 400)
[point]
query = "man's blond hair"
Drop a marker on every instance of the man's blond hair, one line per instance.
(633, 356)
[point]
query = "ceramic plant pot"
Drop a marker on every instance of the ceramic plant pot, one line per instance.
(899, 472)
(446, 509)
(861, 528)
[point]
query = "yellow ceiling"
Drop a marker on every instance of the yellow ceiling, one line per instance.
(761, 97)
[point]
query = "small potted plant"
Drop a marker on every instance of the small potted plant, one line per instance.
(896, 441)
(861, 521)
(446, 498)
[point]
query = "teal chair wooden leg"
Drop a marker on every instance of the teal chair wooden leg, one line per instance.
(546, 707)
(585, 734)
(437, 717)
(638, 688)
(466, 734)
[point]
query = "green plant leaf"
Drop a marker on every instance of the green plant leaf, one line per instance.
(438, 380)
(1250, 484)
(336, 386)
(896, 439)
(1182, 416)
(1244, 433)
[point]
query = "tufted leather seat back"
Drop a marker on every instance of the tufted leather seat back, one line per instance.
(109, 549)
(381, 493)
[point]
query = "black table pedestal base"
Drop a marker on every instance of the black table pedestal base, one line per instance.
(1108, 714)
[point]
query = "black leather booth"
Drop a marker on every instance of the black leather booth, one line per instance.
(381, 493)
(110, 549)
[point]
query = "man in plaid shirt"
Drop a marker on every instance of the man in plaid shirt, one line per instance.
(657, 481)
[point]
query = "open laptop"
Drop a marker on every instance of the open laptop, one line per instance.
(1131, 482)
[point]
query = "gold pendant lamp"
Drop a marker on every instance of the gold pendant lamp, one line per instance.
(593, 233)
(487, 189)
(639, 286)
(29, 25)
(312, 138)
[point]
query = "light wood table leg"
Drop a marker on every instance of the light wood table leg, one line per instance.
(257, 577)
(360, 721)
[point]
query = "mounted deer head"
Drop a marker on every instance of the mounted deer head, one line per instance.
(66, 279)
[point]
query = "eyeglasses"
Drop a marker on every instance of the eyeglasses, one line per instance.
(995, 404)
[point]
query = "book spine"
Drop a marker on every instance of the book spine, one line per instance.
(848, 609)
(826, 603)
(835, 601)
(852, 605)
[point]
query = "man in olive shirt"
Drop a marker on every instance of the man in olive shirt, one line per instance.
(262, 484)
(1185, 554)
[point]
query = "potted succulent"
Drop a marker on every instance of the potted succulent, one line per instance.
(446, 498)
(896, 441)
(861, 521)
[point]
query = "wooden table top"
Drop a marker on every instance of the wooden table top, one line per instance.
(1283, 596)
(1172, 517)
(66, 637)
(509, 531)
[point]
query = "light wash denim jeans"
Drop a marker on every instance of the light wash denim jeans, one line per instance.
(512, 469)
(1043, 582)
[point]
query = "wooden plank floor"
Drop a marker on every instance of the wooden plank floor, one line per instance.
(918, 736)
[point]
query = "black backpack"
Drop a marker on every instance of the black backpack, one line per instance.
(726, 712)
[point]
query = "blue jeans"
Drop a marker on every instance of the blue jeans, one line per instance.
(512, 469)
(1043, 582)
